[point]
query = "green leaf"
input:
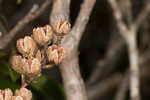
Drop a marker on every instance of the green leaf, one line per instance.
(49, 87)
(6, 83)
(14, 75)
(6, 68)
(2, 54)
(19, 2)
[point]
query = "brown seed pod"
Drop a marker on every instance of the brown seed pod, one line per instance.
(1, 95)
(17, 64)
(55, 54)
(17, 98)
(25, 93)
(43, 35)
(26, 46)
(40, 55)
(61, 27)
(6, 94)
(31, 67)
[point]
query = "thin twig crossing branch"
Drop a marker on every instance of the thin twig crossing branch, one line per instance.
(33, 14)
(129, 34)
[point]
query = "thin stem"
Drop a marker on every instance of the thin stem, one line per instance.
(23, 83)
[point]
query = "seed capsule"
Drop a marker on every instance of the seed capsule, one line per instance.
(43, 35)
(26, 46)
(25, 93)
(17, 64)
(31, 67)
(40, 55)
(55, 54)
(17, 98)
(6, 94)
(61, 27)
(1, 95)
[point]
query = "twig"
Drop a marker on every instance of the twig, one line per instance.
(32, 15)
(130, 37)
(118, 16)
(120, 95)
(109, 63)
(23, 83)
(114, 81)
(101, 88)
(1, 34)
(82, 19)
(115, 50)
(129, 11)
(49, 66)
(121, 92)
(112, 57)
(142, 16)
(105, 87)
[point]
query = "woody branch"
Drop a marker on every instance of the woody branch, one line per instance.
(73, 82)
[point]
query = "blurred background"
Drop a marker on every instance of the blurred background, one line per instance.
(103, 54)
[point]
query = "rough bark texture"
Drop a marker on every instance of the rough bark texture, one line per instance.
(73, 82)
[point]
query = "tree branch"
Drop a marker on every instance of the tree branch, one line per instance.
(32, 15)
(113, 54)
(82, 20)
(101, 88)
(130, 37)
(142, 16)
(60, 10)
(121, 92)
(124, 86)
(114, 81)
(69, 68)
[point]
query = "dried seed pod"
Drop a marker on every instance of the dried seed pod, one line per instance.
(31, 67)
(8, 94)
(1, 95)
(61, 27)
(25, 93)
(17, 64)
(40, 55)
(55, 54)
(17, 98)
(43, 35)
(26, 46)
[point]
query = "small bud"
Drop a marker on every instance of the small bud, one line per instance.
(26, 46)
(40, 55)
(17, 98)
(43, 35)
(25, 93)
(31, 66)
(16, 62)
(61, 27)
(55, 54)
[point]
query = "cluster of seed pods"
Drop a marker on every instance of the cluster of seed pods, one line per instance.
(30, 61)
(34, 51)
